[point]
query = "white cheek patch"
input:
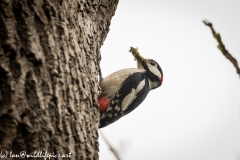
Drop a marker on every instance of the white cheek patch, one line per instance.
(132, 95)
(154, 70)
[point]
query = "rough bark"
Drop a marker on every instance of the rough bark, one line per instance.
(49, 62)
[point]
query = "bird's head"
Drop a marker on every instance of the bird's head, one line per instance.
(151, 67)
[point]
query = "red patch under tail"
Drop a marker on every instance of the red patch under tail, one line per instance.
(103, 103)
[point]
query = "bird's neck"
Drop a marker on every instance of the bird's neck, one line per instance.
(153, 80)
(153, 84)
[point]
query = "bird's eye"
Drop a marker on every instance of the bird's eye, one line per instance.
(152, 63)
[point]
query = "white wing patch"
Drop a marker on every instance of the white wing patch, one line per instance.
(132, 95)
(128, 99)
(140, 86)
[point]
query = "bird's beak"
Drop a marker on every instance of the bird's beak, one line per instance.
(140, 63)
(138, 57)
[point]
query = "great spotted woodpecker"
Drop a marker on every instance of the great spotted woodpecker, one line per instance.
(125, 90)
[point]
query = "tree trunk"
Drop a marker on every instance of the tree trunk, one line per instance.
(49, 62)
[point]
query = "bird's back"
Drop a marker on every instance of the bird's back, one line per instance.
(111, 84)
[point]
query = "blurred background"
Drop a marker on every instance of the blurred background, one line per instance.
(195, 114)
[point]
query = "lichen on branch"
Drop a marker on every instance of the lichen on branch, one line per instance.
(135, 53)
(222, 48)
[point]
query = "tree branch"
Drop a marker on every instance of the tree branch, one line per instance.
(222, 48)
(110, 146)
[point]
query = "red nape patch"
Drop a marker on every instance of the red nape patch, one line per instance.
(103, 103)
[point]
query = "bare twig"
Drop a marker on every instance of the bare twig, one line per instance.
(110, 146)
(222, 48)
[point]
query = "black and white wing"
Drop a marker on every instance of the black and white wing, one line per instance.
(131, 94)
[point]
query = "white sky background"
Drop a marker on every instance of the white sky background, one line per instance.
(195, 114)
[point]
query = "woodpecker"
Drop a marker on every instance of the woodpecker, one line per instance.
(125, 90)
